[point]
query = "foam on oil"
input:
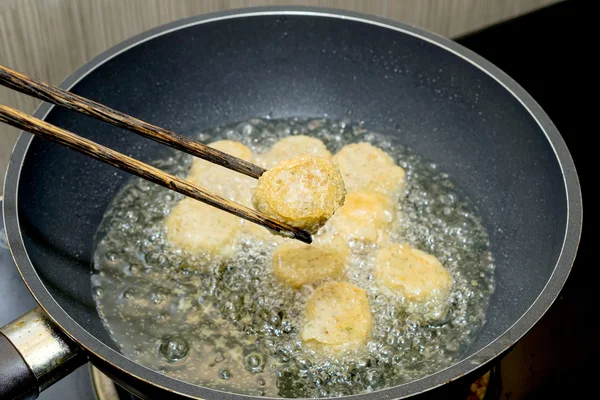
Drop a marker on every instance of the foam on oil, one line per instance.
(233, 326)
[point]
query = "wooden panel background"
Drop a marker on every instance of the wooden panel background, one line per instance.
(49, 39)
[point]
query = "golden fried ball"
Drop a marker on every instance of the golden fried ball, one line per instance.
(230, 147)
(220, 180)
(338, 317)
(367, 168)
(196, 227)
(260, 233)
(297, 264)
(412, 274)
(303, 192)
(292, 147)
(365, 216)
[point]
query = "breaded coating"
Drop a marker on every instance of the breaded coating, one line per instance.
(412, 274)
(292, 147)
(365, 216)
(223, 181)
(367, 168)
(303, 192)
(338, 317)
(297, 264)
(196, 227)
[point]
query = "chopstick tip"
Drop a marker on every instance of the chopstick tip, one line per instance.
(303, 236)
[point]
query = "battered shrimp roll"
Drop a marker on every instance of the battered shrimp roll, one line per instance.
(303, 192)
(223, 181)
(338, 317)
(291, 147)
(196, 227)
(365, 216)
(412, 274)
(367, 168)
(297, 264)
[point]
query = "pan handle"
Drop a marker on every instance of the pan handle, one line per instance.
(34, 353)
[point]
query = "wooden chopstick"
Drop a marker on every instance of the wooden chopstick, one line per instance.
(36, 126)
(63, 98)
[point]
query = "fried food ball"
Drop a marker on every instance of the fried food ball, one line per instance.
(338, 317)
(303, 192)
(260, 233)
(367, 168)
(230, 147)
(412, 274)
(223, 181)
(297, 264)
(292, 147)
(196, 227)
(365, 216)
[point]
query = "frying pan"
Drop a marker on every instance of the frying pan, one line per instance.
(423, 91)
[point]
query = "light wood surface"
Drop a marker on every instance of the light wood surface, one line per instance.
(49, 39)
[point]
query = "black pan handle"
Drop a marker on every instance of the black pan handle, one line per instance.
(16, 378)
(34, 353)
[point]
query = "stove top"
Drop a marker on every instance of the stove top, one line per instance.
(539, 51)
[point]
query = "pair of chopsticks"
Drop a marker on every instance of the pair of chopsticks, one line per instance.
(63, 98)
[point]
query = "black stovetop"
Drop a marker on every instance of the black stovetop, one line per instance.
(541, 51)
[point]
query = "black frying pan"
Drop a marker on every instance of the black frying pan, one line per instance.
(428, 92)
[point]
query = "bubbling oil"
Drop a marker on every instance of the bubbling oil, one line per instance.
(232, 326)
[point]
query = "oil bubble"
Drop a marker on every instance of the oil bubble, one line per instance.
(174, 349)
(254, 362)
(225, 374)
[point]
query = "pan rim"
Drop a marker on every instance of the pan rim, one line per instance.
(485, 355)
